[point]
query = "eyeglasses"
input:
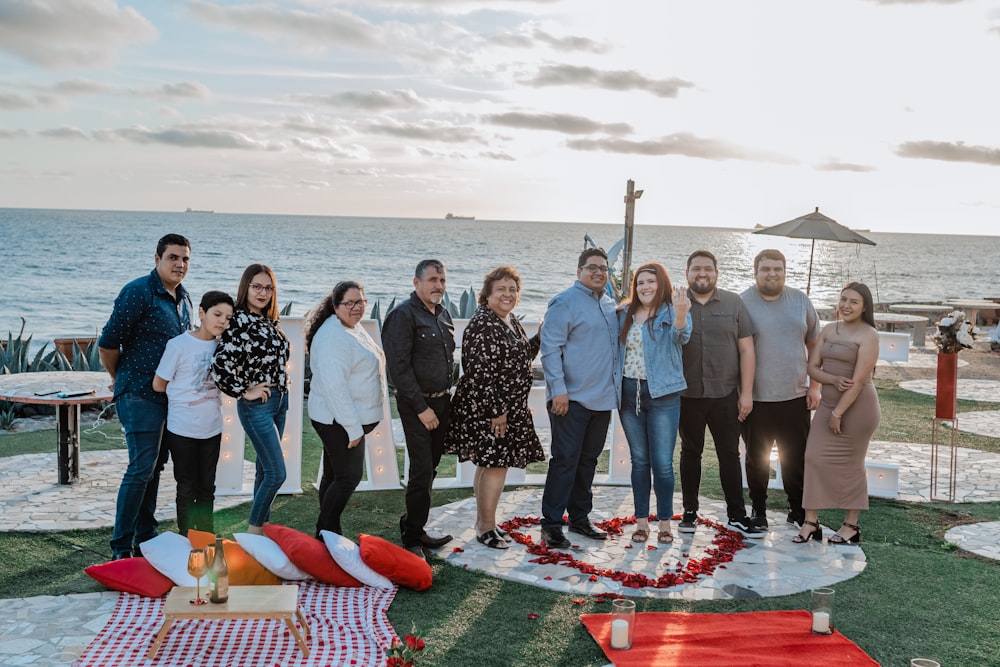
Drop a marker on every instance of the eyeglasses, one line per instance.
(266, 289)
(351, 305)
(596, 268)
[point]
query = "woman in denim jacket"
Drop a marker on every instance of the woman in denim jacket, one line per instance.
(654, 327)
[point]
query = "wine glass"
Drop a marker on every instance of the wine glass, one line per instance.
(197, 567)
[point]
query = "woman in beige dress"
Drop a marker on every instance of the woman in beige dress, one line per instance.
(843, 361)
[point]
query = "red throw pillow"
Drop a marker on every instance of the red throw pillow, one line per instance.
(244, 570)
(309, 555)
(131, 575)
(395, 563)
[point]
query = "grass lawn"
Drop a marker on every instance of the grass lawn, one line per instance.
(918, 595)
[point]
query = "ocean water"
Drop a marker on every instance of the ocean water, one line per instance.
(61, 269)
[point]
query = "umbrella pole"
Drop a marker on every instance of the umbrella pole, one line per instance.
(809, 283)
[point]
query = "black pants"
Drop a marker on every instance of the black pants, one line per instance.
(424, 449)
(722, 417)
(784, 422)
(577, 441)
(195, 461)
(343, 467)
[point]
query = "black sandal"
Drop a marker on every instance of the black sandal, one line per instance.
(491, 539)
(815, 534)
(837, 538)
(503, 533)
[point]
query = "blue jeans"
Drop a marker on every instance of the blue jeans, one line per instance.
(651, 435)
(577, 441)
(264, 424)
(135, 520)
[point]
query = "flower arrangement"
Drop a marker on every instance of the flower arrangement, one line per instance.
(954, 333)
(405, 653)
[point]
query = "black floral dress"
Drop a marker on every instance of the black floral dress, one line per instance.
(496, 379)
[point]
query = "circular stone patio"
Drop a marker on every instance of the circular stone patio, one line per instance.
(768, 567)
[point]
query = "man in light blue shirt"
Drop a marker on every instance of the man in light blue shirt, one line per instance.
(582, 385)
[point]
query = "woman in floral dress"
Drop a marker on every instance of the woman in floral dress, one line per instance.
(490, 421)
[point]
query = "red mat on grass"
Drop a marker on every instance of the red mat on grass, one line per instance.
(348, 627)
(754, 639)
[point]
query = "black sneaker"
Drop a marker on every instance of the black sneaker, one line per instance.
(688, 522)
(759, 518)
(796, 517)
(746, 526)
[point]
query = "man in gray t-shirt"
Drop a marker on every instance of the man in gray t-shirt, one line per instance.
(786, 327)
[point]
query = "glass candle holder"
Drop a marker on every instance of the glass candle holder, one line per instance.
(822, 611)
(622, 624)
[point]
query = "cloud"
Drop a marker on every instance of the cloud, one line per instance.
(78, 87)
(539, 36)
(70, 33)
(372, 101)
(181, 90)
(6, 133)
(426, 131)
(325, 146)
(833, 164)
(681, 143)
(573, 75)
(949, 151)
(185, 137)
(15, 102)
(313, 30)
(497, 155)
(565, 123)
(64, 132)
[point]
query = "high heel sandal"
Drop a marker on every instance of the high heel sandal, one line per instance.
(815, 534)
(853, 539)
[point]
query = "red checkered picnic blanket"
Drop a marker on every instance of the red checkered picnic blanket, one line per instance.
(348, 627)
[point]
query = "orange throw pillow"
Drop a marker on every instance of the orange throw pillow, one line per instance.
(309, 555)
(244, 570)
(131, 575)
(395, 563)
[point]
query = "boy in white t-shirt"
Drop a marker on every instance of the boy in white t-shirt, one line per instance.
(194, 414)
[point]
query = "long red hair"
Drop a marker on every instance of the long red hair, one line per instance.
(664, 292)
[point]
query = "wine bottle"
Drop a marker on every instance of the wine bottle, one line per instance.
(219, 574)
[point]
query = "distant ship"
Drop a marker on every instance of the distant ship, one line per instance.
(192, 210)
(459, 217)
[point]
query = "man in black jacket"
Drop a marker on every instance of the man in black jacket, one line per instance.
(419, 342)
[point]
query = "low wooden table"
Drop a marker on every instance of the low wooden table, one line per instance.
(277, 602)
(78, 388)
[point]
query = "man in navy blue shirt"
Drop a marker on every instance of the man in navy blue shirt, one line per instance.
(148, 312)
(582, 386)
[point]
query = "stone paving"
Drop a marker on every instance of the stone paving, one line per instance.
(987, 391)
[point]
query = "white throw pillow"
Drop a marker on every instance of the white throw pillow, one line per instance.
(267, 552)
(168, 553)
(348, 556)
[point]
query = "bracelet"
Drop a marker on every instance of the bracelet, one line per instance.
(834, 414)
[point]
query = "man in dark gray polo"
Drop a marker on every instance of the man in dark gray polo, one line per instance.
(719, 364)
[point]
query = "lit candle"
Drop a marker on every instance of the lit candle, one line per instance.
(619, 633)
(821, 622)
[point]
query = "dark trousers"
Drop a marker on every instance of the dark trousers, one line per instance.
(195, 461)
(343, 467)
(577, 440)
(721, 416)
(784, 422)
(424, 449)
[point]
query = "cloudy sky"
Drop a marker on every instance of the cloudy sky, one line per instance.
(725, 112)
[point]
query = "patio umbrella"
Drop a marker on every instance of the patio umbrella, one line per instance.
(814, 226)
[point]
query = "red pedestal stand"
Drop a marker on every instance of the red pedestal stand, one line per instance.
(945, 407)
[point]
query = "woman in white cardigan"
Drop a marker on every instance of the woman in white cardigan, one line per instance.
(345, 395)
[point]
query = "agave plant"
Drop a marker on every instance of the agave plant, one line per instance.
(287, 310)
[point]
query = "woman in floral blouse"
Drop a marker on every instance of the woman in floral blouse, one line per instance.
(490, 421)
(249, 365)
